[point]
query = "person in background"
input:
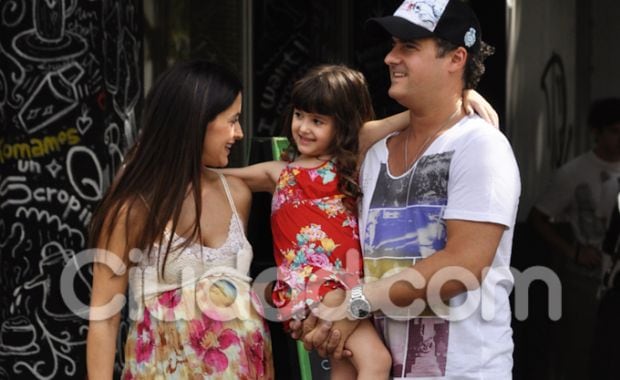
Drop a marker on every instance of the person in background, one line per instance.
(581, 194)
(605, 348)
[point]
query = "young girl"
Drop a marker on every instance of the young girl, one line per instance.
(313, 220)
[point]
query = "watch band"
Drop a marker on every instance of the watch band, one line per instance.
(359, 306)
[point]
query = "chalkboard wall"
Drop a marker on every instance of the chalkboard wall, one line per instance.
(70, 85)
(290, 37)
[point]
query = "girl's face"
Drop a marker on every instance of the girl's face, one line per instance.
(313, 133)
(221, 134)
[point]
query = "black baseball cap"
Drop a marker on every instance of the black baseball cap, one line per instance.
(451, 20)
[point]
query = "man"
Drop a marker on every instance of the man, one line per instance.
(582, 194)
(605, 348)
(439, 206)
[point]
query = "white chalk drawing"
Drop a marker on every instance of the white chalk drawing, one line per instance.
(121, 52)
(52, 220)
(88, 188)
(14, 240)
(84, 122)
(28, 166)
(129, 79)
(64, 64)
(49, 40)
(18, 337)
(111, 26)
(53, 167)
(112, 139)
(12, 13)
(58, 90)
(58, 196)
(14, 191)
(13, 75)
(62, 365)
(4, 89)
(53, 257)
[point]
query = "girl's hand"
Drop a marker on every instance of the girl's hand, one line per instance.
(474, 102)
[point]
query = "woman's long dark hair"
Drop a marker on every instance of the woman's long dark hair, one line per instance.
(164, 166)
(340, 92)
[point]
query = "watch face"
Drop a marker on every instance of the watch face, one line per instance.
(360, 308)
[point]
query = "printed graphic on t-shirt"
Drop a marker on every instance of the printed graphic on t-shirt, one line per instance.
(405, 225)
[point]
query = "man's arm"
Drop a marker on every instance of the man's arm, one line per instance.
(470, 248)
(541, 223)
(582, 254)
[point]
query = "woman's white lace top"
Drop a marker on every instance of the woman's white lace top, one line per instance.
(185, 266)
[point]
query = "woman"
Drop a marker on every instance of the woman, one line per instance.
(191, 312)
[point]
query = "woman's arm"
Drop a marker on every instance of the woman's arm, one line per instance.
(110, 280)
(258, 177)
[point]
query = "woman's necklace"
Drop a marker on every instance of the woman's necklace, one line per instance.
(428, 140)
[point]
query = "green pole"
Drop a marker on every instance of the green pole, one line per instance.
(278, 144)
(304, 362)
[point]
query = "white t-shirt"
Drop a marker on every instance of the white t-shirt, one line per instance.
(467, 173)
(583, 193)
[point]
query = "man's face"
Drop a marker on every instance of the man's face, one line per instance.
(608, 143)
(415, 69)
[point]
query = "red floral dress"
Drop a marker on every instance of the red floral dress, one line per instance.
(316, 241)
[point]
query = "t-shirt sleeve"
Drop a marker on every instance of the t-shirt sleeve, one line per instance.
(484, 183)
(555, 198)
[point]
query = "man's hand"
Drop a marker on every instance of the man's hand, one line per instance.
(316, 330)
(345, 328)
(588, 256)
(317, 334)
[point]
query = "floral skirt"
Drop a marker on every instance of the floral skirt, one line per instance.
(166, 342)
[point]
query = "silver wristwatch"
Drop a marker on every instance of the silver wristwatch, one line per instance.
(359, 307)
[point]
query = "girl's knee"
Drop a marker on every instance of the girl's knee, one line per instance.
(383, 359)
(378, 367)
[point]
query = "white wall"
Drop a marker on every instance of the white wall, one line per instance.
(536, 29)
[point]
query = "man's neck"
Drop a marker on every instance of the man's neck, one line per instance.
(606, 156)
(427, 118)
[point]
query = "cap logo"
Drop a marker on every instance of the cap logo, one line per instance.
(424, 13)
(470, 37)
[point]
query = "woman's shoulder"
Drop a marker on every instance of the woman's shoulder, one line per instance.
(241, 196)
(238, 189)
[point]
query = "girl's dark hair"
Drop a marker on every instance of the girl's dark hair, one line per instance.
(164, 166)
(342, 93)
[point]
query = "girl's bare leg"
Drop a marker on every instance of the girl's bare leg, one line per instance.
(370, 356)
